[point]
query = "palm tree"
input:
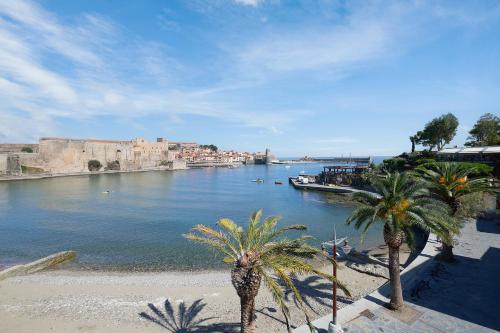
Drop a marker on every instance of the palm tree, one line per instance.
(261, 252)
(449, 181)
(400, 204)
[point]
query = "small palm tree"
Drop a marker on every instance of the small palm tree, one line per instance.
(449, 182)
(261, 252)
(400, 204)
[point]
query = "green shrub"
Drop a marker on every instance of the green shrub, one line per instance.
(27, 150)
(425, 161)
(31, 170)
(115, 165)
(394, 164)
(481, 170)
(94, 165)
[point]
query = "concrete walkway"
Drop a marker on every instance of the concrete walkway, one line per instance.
(441, 298)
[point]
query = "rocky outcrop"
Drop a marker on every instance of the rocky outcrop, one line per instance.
(38, 265)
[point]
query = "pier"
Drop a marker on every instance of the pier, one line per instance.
(323, 188)
(359, 161)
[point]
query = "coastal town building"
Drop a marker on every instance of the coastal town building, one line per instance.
(264, 158)
(488, 155)
(195, 154)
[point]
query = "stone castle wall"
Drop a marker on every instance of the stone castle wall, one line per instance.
(59, 155)
(17, 147)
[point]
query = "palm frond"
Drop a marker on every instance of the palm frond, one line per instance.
(235, 231)
(212, 243)
(216, 235)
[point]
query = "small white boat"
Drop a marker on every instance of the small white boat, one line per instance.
(106, 192)
(343, 248)
(329, 244)
(258, 180)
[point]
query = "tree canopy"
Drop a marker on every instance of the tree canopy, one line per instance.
(438, 132)
(486, 132)
(211, 147)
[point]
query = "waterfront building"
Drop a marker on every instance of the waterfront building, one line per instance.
(489, 155)
(345, 171)
(264, 158)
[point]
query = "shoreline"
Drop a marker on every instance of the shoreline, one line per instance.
(61, 300)
(75, 174)
(374, 250)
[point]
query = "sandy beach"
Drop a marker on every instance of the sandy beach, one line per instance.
(82, 301)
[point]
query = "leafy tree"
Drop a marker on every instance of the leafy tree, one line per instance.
(414, 140)
(400, 203)
(94, 165)
(27, 150)
(260, 252)
(449, 181)
(438, 132)
(486, 132)
(115, 165)
(211, 147)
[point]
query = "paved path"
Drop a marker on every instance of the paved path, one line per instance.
(461, 297)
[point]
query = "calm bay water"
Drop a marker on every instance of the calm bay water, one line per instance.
(139, 225)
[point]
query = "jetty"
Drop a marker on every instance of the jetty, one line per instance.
(360, 161)
(294, 181)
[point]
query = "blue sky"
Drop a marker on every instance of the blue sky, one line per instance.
(301, 77)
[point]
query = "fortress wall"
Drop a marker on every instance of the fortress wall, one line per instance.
(150, 154)
(29, 159)
(106, 152)
(67, 155)
(3, 164)
(10, 163)
(62, 155)
(16, 147)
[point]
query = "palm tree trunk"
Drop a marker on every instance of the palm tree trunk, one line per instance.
(246, 281)
(247, 323)
(447, 245)
(447, 249)
(394, 274)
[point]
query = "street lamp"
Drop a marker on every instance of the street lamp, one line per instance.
(333, 326)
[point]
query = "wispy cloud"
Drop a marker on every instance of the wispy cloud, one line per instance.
(253, 3)
(338, 47)
(88, 69)
(230, 66)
